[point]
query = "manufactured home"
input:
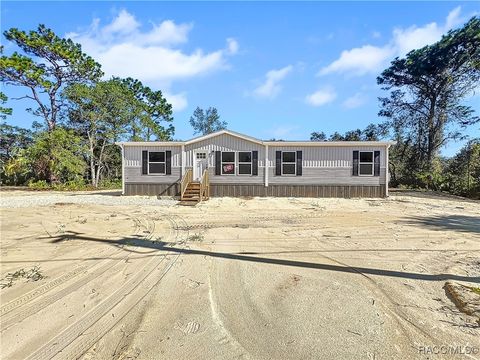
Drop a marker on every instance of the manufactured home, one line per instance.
(227, 163)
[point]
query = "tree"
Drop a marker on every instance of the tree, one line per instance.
(50, 64)
(427, 87)
(4, 111)
(318, 136)
(102, 114)
(55, 156)
(154, 111)
(13, 139)
(463, 171)
(206, 122)
(372, 132)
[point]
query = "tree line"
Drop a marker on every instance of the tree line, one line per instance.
(425, 110)
(82, 114)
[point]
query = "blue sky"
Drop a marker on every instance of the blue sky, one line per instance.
(273, 69)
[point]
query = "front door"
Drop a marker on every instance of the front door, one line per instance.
(200, 163)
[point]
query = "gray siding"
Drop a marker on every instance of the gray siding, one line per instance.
(225, 142)
(133, 154)
(322, 165)
(133, 165)
(326, 165)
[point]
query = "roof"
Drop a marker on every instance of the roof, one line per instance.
(257, 141)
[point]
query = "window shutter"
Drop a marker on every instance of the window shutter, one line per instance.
(254, 163)
(376, 163)
(144, 162)
(168, 162)
(278, 163)
(299, 163)
(355, 163)
(218, 162)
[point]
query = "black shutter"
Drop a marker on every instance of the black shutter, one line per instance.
(355, 163)
(218, 163)
(255, 163)
(144, 162)
(299, 163)
(168, 162)
(376, 163)
(278, 163)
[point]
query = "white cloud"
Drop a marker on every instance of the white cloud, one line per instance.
(371, 59)
(355, 101)
(232, 46)
(271, 87)
(153, 55)
(179, 101)
(321, 97)
(358, 61)
(376, 35)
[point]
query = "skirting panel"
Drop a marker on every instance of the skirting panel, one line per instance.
(152, 189)
(334, 191)
(235, 190)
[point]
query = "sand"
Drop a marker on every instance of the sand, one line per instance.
(262, 278)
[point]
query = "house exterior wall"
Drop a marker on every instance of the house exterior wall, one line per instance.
(326, 170)
(327, 165)
(133, 165)
(225, 142)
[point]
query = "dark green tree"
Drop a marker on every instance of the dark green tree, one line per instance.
(155, 113)
(318, 136)
(102, 114)
(47, 65)
(206, 121)
(3, 110)
(427, 87)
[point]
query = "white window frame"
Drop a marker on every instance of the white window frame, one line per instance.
(295, 162)
(228, 162)
(157, 162)
(366, 163)
(243, 163)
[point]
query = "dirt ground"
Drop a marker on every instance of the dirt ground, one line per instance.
(263, 278)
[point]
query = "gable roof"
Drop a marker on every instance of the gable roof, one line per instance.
(225, 131)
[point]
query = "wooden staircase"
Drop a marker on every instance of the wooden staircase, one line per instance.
(193, 192)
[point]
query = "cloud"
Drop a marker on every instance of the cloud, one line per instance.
(321, 97)
(179, 101)
(271, 87)
(355, 101)
(358, 61)
(370, 59)
(232, 46)
(153, 55)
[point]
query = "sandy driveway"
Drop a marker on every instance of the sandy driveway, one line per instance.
(236, 278)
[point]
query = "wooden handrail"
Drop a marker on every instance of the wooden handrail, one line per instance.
(205, 185)
(186, 179)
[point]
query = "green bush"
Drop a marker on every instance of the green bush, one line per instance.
(38, 185)
(110, 184)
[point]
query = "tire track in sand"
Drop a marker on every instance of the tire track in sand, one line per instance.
(76, 339)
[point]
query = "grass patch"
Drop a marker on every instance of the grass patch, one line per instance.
(196, 237)
(476, 290)
(33, 274)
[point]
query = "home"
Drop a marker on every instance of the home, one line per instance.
(227, 163)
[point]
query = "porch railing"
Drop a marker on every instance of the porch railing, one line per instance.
(205, 186)
(186, 179)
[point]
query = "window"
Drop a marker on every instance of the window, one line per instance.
(156, 162)
(365, 165)
(228, 163)
(289, 163)
(201, 155)
(245, 163)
